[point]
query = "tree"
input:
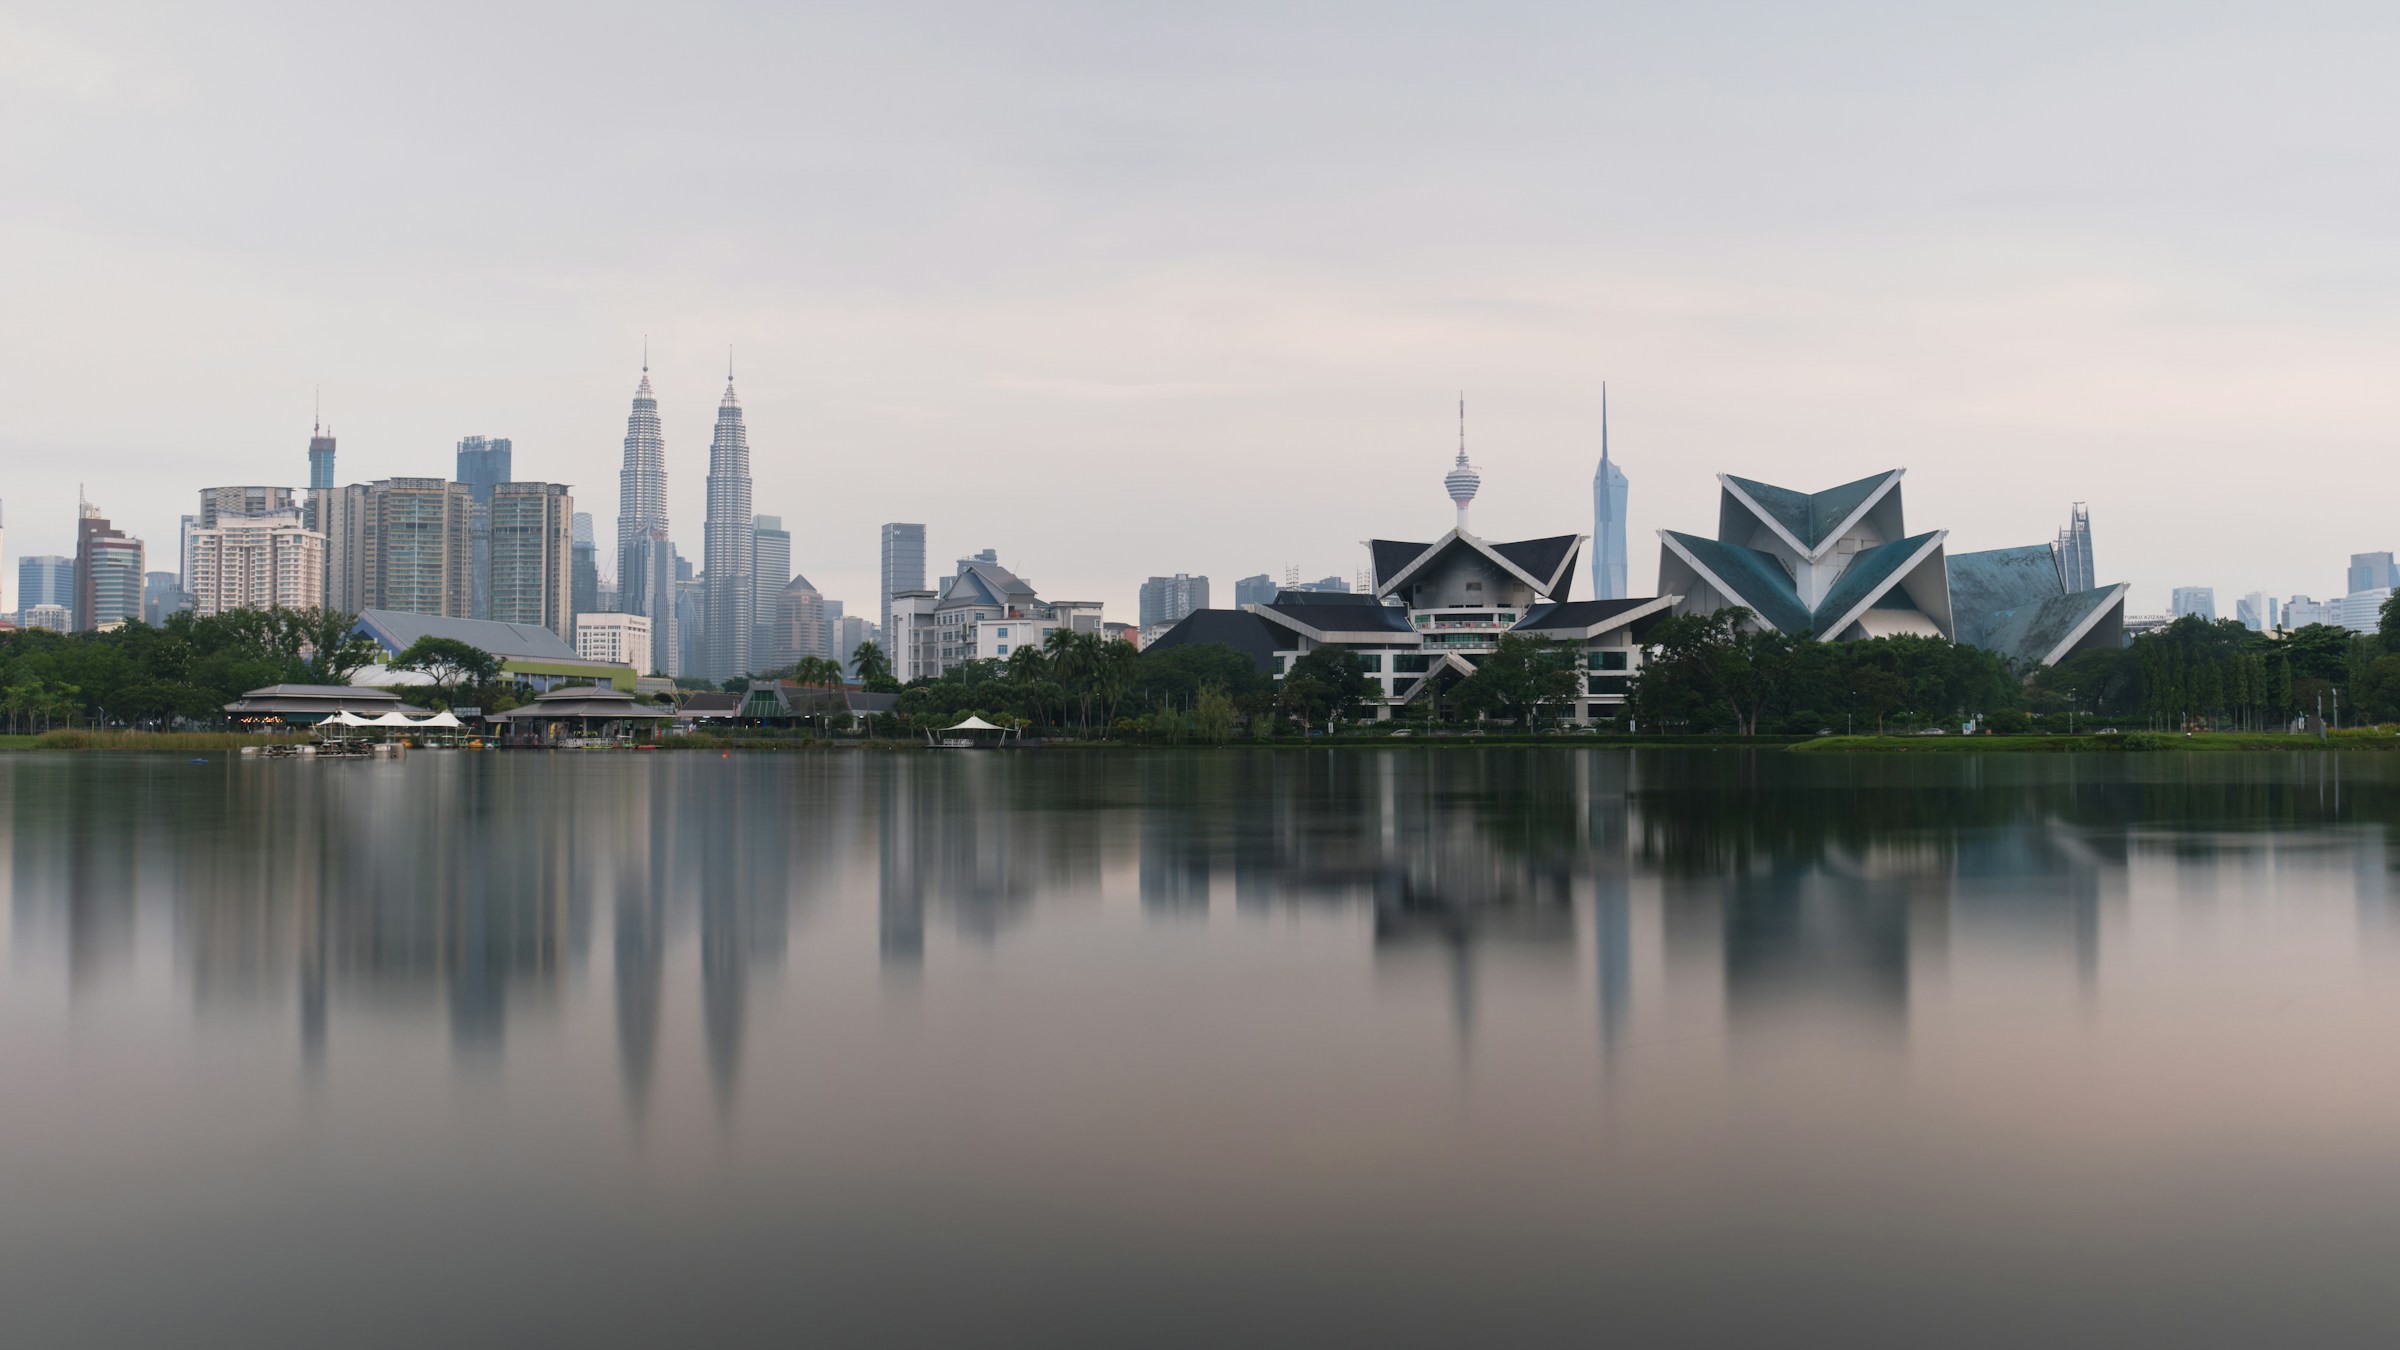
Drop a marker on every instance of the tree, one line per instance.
(336, 649)
(1521, 675)
(1212, 716)
(873, 667)
(1328, 681)
(456, 667)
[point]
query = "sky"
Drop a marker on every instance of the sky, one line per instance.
(1129, 289)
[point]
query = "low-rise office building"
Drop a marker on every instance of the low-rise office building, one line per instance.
(614, 639)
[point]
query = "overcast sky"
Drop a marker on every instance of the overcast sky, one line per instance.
(1122, 289)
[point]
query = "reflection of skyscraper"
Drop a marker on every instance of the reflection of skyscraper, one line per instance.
(1608, 519)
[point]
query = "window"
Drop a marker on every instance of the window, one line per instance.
(1605, 660)
(1412, 665)
(1474, 585)
(1607, 684)
(1003, 633)
(1372, 663)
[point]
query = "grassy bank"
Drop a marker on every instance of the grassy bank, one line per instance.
(2367, 738)
(139, 740)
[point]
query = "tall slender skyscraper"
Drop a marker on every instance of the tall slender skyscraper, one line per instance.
(2074, 552)
(771, 571)
(728, 547)
(1608, 519)
(903, 569)
(320, 456)
(641, 501)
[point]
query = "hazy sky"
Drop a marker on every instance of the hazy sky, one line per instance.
(1122, 289)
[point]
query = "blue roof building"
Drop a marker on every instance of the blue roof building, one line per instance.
(1840, 565)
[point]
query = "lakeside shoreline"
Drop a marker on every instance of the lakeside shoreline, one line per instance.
(2371, 739)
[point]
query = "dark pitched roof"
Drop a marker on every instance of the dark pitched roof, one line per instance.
(1541, 558)
(1577, 614)
(1346, 618)
(1392, 555)
(1302, 596)
(1241, 630)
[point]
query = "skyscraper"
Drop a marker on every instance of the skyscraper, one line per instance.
(650, 591)
(728, 547)
(641, 501)
(533, 556)
(774, 563)
(1608, 519)
(1166, 600)
(587, 566)
(220, 503)
(320, 457)
(45, 579)
(256, 562)
(108, 572)
(2200, 601)
(1257, 590)
(903, 565)
(2074, 549)
(416, 551)
(483, 463)
(2368, 571)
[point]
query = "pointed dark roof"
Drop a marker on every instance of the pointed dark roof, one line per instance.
(1392, 555)
(1343, 618)
(1541, 557)
(1241, 630)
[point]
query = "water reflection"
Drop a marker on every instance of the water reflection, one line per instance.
(469, 884)
(1237, 1013)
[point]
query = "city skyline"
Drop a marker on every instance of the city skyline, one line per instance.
(1276, 265)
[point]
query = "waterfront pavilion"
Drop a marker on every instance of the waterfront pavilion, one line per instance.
(305, 705)
(583, 712)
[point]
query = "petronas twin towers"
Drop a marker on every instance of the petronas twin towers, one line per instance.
(646, 571)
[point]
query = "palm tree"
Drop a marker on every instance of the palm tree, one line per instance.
(815, 672)
(1074, 661)
(1116, 666)
(870, 663)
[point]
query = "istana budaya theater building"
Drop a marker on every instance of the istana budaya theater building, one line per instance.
(1437, 609)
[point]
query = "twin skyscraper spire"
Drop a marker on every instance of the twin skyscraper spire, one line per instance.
(647, 567)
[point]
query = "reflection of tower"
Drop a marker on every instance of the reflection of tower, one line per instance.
(745, 885)
(1462, 480)
(1175, 861)
(899, 887)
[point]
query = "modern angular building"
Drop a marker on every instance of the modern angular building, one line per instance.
(1840, 565)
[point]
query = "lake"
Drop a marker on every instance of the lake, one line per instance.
(1397, 1047)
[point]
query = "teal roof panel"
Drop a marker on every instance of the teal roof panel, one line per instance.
(1868, 573)
(1755, 579)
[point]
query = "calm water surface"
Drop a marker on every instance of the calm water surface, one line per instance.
(1409, 1047)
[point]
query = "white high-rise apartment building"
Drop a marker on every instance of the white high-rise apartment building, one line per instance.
(623, 639)
(257, 562)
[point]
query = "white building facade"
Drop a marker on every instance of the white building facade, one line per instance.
(619, 639)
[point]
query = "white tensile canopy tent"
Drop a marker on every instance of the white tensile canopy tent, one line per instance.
(965, 735)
